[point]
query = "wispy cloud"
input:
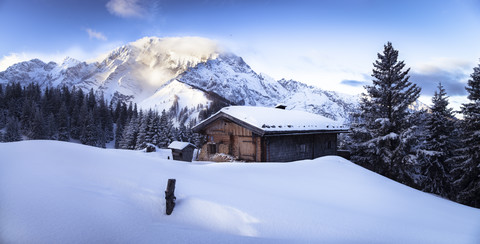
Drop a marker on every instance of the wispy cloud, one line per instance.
(452, 73)
(9, 60)
(96, 34)
(454, 82)
(127, 8)
(353, 83)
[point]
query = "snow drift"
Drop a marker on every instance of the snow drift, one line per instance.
(57, 192)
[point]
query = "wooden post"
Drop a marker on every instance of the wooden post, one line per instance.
(169, 196)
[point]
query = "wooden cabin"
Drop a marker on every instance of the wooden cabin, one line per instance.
(182, 151)
(268, 134)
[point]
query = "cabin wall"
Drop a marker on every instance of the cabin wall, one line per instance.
(183, 155)
(298, 147)
(226, 137)
(187, 154)
(325, 144)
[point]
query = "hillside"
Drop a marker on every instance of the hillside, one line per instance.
(152, 72)
(56, 192)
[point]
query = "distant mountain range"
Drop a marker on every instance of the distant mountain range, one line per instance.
(185, 75)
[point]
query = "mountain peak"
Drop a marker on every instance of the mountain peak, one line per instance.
(194, 49)
(184, 75)
(69, 62)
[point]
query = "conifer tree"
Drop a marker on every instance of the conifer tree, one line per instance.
(63, 125)
(467, 173)
(141, 140)
(90, 100)
(383, 132)
(440, 142)
(130, 134)
(3, 117)
(12, 131)
(118, 133)
(165, 133)
(2, 98)
(27, 116)
(38, 126)
(89, 135)
(105, 119)
(154, 128)
(51, 130)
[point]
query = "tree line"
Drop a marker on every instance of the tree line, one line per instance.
(429, 150)
(72, 115)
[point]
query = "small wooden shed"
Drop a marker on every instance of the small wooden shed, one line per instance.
(182, 151)
(263, 134)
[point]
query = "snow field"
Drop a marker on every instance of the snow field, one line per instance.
(57, 192)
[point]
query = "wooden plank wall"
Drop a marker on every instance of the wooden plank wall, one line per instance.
(234, 140)
(298, 147)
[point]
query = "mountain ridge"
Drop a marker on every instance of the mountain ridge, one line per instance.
(164, 73)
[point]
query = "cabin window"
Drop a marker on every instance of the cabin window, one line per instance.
(329, 145)
(212, 149)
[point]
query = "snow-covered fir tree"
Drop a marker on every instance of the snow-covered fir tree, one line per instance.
(38, 126)
(154, 128)
(436, 155)
(118, 133)
(104, 117)
(467, 174)
(89, 135)
(62, 123)
(130, 134)
(142, 138)
(12, 131)
(383, 135)
(165, 132)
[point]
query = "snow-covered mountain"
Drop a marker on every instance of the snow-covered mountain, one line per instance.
(186, 73)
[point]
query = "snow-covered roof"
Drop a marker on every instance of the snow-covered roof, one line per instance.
(179, 145)
(278, 120)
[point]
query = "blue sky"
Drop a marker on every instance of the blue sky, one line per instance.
(329, 44)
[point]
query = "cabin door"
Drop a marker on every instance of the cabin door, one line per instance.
(247, 149)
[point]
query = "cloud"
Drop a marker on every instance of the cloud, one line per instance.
(443, 64)
(127, 8)
(10, 60)
(96, 35)
(354, 83)
(452, 73)
(453, 82)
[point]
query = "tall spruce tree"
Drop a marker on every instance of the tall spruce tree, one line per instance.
(63, 124)
(467, 182)
(130, 134)
(383, 131)
(165, 133)
(440, 142)
(12, 131)
(89, 134)
(39, 130)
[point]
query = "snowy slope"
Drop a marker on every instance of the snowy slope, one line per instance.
(230, 77)
(69, 193)
(140, 70)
